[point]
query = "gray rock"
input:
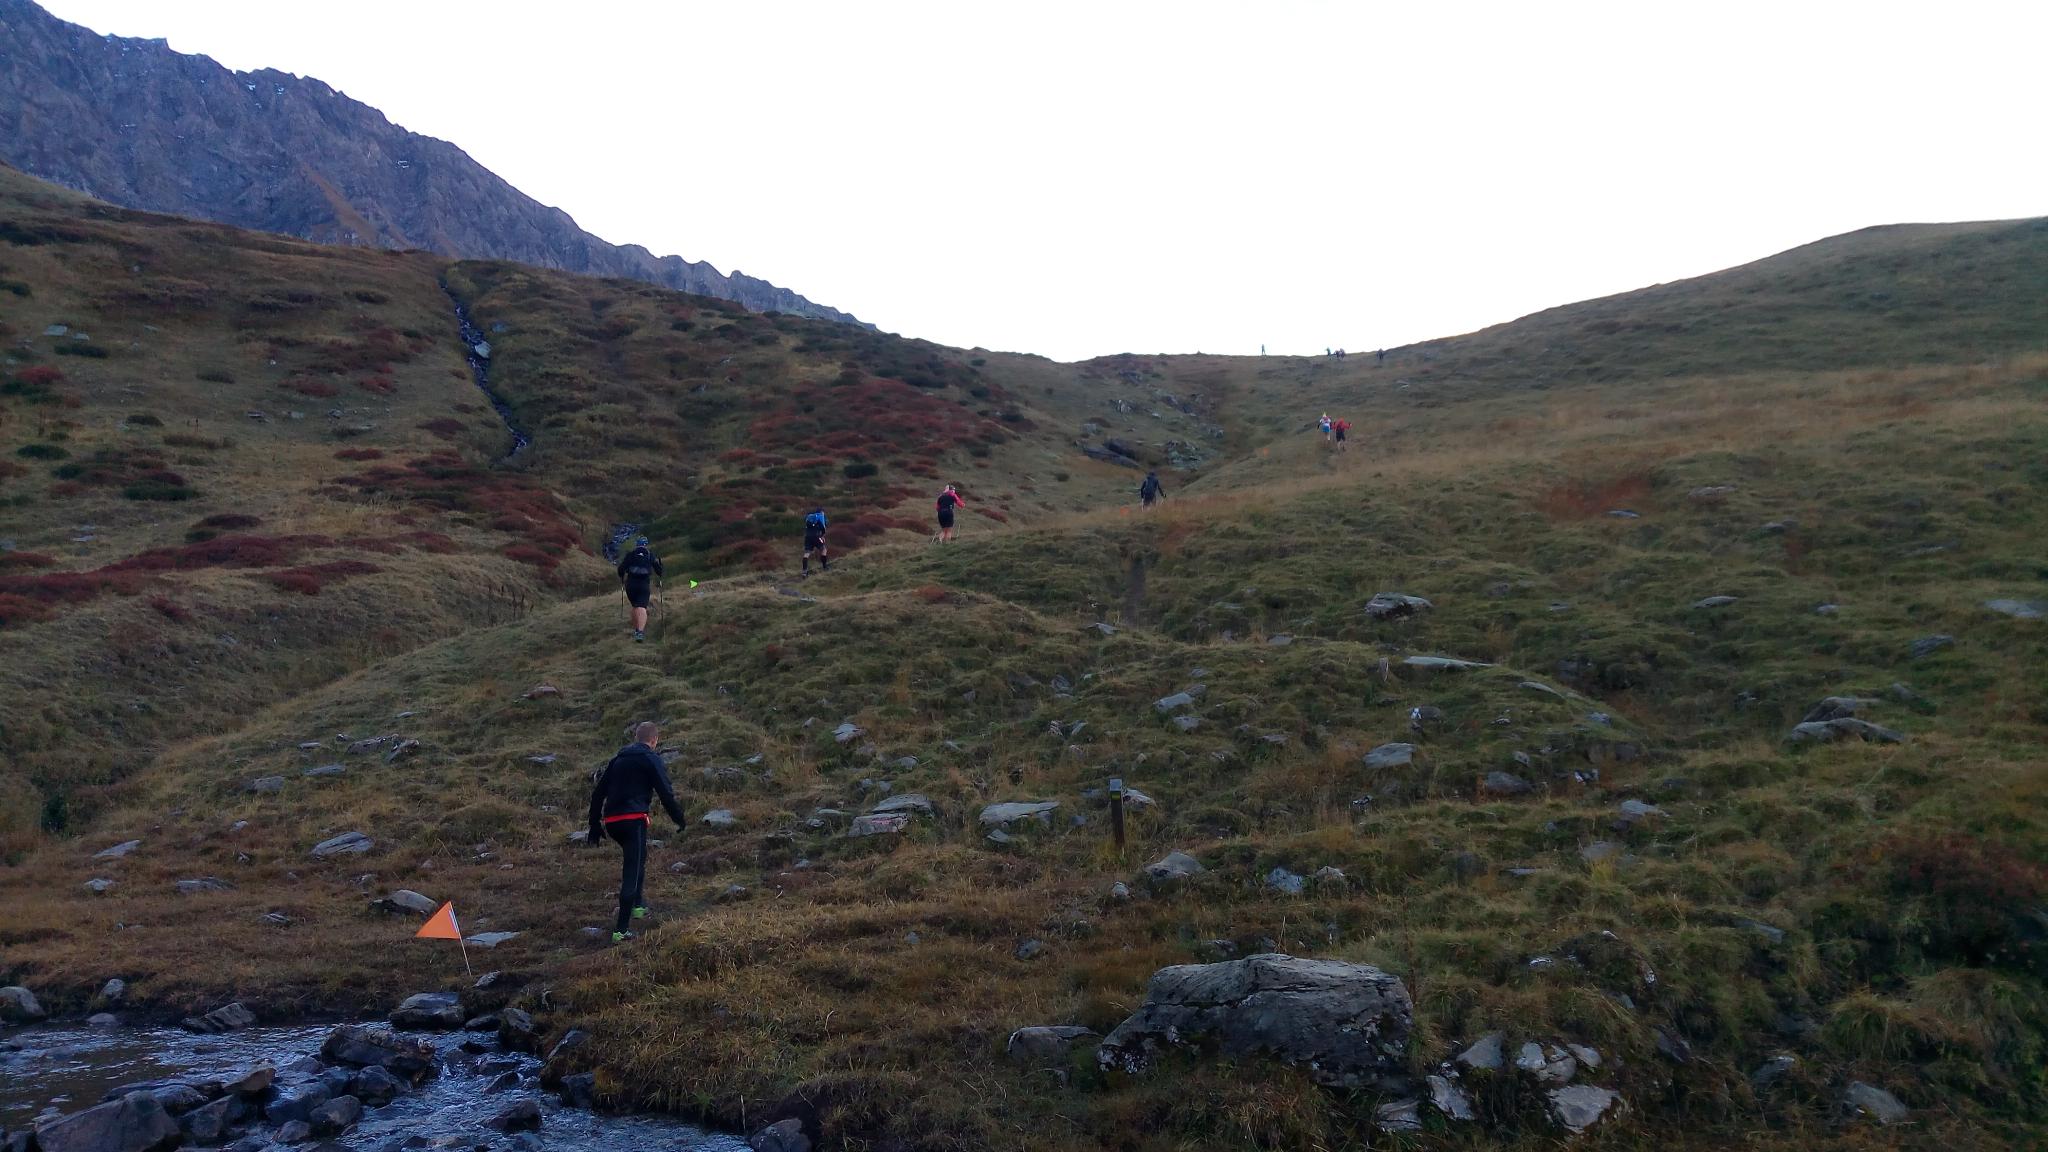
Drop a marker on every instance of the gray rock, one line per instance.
(1441, 664)
(1624, 514)
(1044, 1044)
(1633, 810)
(1504, 784)
(1833, 708)
(346, 844)
(908, 802)
(1030, 949)
(202, 884)
(253, 1083)
(1104, 629)
(518, 1116)
(491, 939)
(999, 815)
(1548, 1066)
(428, 1010)
(18, 1005)
(209, 1124)
(375, 1087)
(1173, 866)
(1712, 491)
(364, 1046)
(720, 818)
(1349, 1024)
(1774, 935)
(878, 823)
(848, 732)
(266, 785)
(99, 885)
(1450, 1100)
(226, 1018)
(1395, 755)
(1397, 1116)
(1187, 723)
(2019, 609)
(1580, 1106)
(325, 771)
(516, 1031)
(580, 1090)
(1845, 727)
(1928, 645)
(1174, 702)
(1773, 1070)
(1327, 876)
(114, 992)
(1587, 1057)
(1715, 601)
(407, 900)
(57, 330)
(297, 1101)
(1867, 1100)
(903, 763)
(781, 1136)
(1827, 609)
(1392, 605)
(1280, 641)
(336, 1116)
(1284, 882)
(1120, 892)
(294, 1132)
(1599, 850)
(134, 1123)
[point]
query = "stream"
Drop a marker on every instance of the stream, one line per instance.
(58, 1070)
(476, 350)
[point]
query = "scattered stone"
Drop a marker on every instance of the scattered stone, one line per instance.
(1587, 1057)
(365, 1046)
(1773, 1070)
(1863, 1100)
(1928, 645)
(1280, 641)
(227, 1018)
(406, 900)
(1715, 601)
(427, 1010)
(114, 992)
(1120, 892)
(1327, 876)
(1398, 1116)
(1393, 605)
(877, 823)
(346, 844)
(1553, 1066)
(1187, 723)
(1000, 815)
(906, 803)
(1030, 949)
(1174, 702)
(1599, 850)
(202, 884)
(1580, 1106)
(1833, 708)
(134, 1123)
(1284, 882)
(781, 1136)
(491, 939)
(518, 1116)
(18, 1005)
(266, 785)
(1504, 784)
(210, 1123)
(542, 760)
(294, 1132)
(1672, 1048)
(1104, 629)
(1441, 664)
(2018, 609)
(1624, 514)
(1827, 609)
(1348, 1023)
(848, 732)
(1390, 756)
(1634, 810)
(1824, 732)
(720, 818)
(1774, 935)
(1712, 491)
(324, 771)
(375, 1087)
(540, 691)
(489, 980)
(253, 1083)
(1449, 1100)
(580, 1090)
(1173, 866)
(516, 1031)
(571, 1040)
(336, 1116)
(297, 1101)
(1044, 1044)
(98, 885)
(402, 748)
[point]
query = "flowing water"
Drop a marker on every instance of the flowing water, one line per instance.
(62, 1069)
(480, 368)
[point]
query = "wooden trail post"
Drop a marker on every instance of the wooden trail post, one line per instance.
(1116, 810)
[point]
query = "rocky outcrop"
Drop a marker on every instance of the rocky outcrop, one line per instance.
(134, 1123)
(358, 1046)
(429, 1010)
(1348, 1024)
(135, 123)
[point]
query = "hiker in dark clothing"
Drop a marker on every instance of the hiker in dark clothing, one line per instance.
(637, 572)
(1382, 355)
(948, 501)
(1150, 490)
(618, 808)
(814, 540)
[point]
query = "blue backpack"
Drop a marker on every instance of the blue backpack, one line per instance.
(815, 523)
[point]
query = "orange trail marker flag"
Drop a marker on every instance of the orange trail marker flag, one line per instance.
(441, 926)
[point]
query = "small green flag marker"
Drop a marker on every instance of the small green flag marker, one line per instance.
(693, 583)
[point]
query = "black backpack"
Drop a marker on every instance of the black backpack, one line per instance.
(640, 563)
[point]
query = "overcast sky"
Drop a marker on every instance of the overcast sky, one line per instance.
(1088, 178)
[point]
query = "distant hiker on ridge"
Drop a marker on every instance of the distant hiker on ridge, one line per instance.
(814, 540)
(1383, 355)
(1150, 490)
(637, 572)
(948, 501)
(618, 808)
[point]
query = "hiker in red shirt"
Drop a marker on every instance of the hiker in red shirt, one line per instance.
(1341, 427)
(948, 501)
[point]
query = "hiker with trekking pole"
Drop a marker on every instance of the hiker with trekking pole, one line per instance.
(1150, 491)
(814, 541)
(638, 570)
(948, 501)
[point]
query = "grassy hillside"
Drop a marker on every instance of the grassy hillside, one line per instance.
(1873, 909)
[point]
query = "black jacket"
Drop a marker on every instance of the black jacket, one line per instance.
(639, 566)
(628, 785)
(1151, 489)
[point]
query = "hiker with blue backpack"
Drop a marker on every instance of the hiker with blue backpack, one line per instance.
(814, 540)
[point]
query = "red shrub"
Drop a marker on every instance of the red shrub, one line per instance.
(528, 554)
(318, 389)
(171, 609)
(18, 560)
(40, 375)
(16, 610)
(360, 454)
(380, 385)
(446, 428)
(309, 579)
(995, 514)
(229, 522)
(295, 580)
(932, 594)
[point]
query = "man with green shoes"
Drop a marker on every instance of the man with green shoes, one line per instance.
(618, 808)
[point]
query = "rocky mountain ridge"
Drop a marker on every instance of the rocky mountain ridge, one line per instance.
(133, 122)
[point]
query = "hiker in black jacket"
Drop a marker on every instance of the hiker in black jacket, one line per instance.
(618, 807)
(1150, 490)
(638, 570)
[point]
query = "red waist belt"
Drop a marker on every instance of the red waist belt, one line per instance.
(641, 816)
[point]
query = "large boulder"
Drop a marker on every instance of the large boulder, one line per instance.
(1395, 755)
(406, 900)
(375, 1087)
(297, 1102)
(346, 844)
(209, 1125)
(1174, 866)
(1841, 728)
(362, 1046)
(134, 1123)
(997, 815)
(1347, 1023)
(516, 1031)
(1390, 605)
(336, 1116)
(18, 1005)
(226, 1018)
(429, 1010)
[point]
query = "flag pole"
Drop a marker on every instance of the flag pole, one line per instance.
(465, 955)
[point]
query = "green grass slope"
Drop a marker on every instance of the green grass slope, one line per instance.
(1875, 910)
